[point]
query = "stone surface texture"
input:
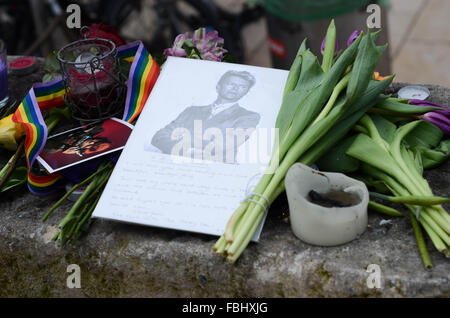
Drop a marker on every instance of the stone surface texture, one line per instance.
(122, 260)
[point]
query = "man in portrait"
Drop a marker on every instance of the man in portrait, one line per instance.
(223, 115)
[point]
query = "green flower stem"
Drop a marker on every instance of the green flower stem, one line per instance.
(375, 206)
(237, 215)
(424, 217)
(334, 95)
(87, 215)
(219, 247)
(78, 204)
(102, 179)
(361, 129)
(409, 173)
(415, 200)
(442, 212)
(400, 190)
(8, 169)
(437, 242)
(57, 204)
(240, 216)
(52, 124)
(300, 146)
(86, 212)
(330, 44)
(441, 221)
(64, 234)
(79, 214)
(421, 242)
(234, 255)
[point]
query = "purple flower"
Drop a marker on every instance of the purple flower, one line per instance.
(353, 37)
(440, 117)
(440, 120)
(443, 110)
(322, 47)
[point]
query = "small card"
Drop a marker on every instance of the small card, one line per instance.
(84, 143)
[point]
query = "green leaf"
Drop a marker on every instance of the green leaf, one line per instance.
(425, 134)
(378, 185)
(294, 72)
(51, 63)
(351, 116)
(52, 68)
(49, 77)
(330, 45)
(385, 128)
(367, 150)
(124, 67)
(410, 159)
(381, 49)
(228, 58)
(366, 61)
(310, 76)
(18, 177)
(314, 101)
(393, 106)
(432, 158)
(372, 94)
(336, 160)
(311, 73)
(159, 59)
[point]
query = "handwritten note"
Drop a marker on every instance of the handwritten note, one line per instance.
(158, 192)
(151, 188)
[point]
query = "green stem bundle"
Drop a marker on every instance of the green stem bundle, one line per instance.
(72, 224)
(389, 160)
(336, 95)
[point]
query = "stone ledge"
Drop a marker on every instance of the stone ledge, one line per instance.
(122, 260)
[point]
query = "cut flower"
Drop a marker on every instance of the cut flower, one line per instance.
(203, 45)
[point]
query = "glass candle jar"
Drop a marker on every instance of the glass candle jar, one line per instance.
(95, 88)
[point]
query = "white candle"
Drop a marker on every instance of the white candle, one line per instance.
(324, 226)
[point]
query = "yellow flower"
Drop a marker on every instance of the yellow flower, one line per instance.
(10, 133)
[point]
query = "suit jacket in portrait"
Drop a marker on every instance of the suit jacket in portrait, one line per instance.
(233, 117)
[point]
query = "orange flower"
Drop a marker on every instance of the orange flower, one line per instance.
(378, 77)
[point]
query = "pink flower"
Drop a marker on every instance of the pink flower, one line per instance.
(177, 48)
(208, 44)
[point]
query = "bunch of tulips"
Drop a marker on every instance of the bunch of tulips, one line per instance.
(321, 103)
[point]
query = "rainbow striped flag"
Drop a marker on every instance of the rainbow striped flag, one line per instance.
(143, 74)
(43, 96)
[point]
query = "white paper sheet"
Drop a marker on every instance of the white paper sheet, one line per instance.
(153, 188)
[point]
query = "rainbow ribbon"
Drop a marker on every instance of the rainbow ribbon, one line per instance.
(43, 96)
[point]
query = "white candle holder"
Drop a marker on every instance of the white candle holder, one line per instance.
(324, 226)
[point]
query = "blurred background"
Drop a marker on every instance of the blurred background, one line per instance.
(256, 32)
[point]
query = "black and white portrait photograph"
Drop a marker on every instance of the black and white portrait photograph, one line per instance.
(216, 116)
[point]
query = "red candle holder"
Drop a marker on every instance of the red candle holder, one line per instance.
(94, 87)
